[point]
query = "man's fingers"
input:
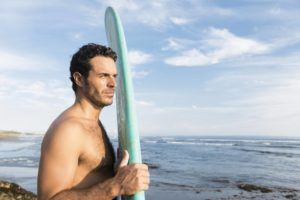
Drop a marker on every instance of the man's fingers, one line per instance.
(125, 159)
(144, 187)
(140, 166)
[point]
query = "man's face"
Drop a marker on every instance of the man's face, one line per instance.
(99, 87)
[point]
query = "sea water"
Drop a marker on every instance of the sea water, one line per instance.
(204, 166)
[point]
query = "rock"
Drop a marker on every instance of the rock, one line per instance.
(250, 188)
(290, 196)
(151, 165)
(12, 191)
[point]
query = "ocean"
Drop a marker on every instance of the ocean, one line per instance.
(188, 167)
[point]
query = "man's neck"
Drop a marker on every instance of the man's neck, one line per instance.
(87, 109)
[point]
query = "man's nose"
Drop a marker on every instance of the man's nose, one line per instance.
(112, 81)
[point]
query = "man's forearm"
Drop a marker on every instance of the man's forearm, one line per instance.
(104, 191)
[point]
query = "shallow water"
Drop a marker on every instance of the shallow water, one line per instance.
(197, 166)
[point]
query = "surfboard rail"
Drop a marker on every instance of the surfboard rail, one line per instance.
(126, 116)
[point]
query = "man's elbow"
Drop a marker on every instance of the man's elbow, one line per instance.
(42, 196)
(46, 195)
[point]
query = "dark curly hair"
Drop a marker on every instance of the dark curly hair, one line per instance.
(81, 59)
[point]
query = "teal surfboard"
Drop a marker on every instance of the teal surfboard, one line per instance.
(126, 116)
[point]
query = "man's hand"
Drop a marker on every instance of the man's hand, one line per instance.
(131, 178)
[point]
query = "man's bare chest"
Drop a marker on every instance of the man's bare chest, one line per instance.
(97, 153)
(96, 162)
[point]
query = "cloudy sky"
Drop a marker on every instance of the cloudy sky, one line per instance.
(200, 67)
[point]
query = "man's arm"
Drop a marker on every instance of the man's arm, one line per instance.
(60, 151)
(103, 191)
(59, 159)
(128, 180)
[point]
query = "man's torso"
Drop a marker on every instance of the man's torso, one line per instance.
(96, 161)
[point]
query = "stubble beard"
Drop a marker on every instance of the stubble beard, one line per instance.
(97, 100)
(95, 97)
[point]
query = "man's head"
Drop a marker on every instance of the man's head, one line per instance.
(93, 73)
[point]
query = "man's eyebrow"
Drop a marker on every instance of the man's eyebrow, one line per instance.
(104, 73)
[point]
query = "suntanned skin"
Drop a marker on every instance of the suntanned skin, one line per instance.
(77, 159)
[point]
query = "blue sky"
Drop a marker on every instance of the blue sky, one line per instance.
(200, 67)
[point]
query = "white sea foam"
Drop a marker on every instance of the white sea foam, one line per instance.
(200, 143)
(239, 141)
(18, 159)
(149, 141)
(20, 172)
(267, 143)
(11, 146)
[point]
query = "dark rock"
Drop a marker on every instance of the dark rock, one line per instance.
(152, 166)
(250, 188)
(12, 191)
(220, 181)
(290, 196)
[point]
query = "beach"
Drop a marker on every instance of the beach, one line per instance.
(188, 167)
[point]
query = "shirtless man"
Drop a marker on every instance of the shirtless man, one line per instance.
(77, 158)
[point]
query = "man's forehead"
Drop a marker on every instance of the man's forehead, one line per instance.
(102, 64)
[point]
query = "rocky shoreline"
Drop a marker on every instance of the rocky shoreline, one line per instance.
(234, 191)
(12, 191)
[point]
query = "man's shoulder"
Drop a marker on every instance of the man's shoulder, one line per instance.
(68, 123)
(65, 131)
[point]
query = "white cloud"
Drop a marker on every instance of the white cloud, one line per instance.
(10, 61)
(241, 100)
(219, 45)
(228, 45)
(37, 88)
(137, 57)
(179, 21)
(139, 74)
(262, 102)
(278, 61)
(77, 36)
(47, 91)
(176, 44)
(144, 103)
(275, 11)
(272, 111)
(121, 6)
(157, 14)
(276, 109)
(172, 45)
(131, 11)
(258, 100)
(189, 58)
(28, 101)
(24, 61)
(221, 11)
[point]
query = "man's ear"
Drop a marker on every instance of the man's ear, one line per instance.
(79, 79)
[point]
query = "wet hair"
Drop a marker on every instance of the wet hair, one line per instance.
(81, 59)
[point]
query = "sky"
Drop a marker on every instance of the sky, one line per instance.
(199, 67)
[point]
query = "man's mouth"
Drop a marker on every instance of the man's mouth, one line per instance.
(109, 93)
